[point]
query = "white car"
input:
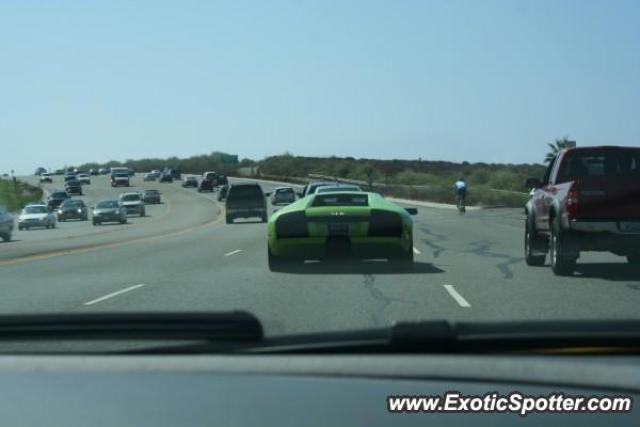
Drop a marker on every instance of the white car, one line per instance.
(283, 195)
(151, 176)
(6, 224)
(36, 216)
(84, 178)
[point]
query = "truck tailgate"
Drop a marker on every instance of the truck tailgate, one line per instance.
(608, 198)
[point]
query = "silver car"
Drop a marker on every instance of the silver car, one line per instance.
(283, 195)
(36, 216)
(6, 224)
(84, 178)
(133, 203)
(109, 211)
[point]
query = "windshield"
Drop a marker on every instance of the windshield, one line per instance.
(340, 200)
(598, 163)
(72, 204)
(329, 189)
(110, 204)
(386, 161)
(245, 192)
(35, 209)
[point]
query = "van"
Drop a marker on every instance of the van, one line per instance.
(245, 201)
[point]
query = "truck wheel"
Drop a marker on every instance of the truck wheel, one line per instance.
(142, 214)
(6, 237)
(561, 264)
(532, 242)
(228, 219)
(264, 217)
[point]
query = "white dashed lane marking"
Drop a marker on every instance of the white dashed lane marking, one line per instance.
(114, 294)
(456, 296)
(237, 251)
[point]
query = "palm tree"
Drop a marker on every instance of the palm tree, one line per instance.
(556, 147)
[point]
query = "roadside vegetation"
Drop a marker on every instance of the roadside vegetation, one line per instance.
(15, 197)
(489, 184)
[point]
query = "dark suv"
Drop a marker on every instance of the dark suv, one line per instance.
(56, 198)
(73, 187)
(245, 201)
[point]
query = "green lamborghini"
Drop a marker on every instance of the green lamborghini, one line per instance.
(341, 225)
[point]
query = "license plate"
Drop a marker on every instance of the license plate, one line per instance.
(338, 229)
(630, 227)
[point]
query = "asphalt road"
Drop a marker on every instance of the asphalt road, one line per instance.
(183, 257)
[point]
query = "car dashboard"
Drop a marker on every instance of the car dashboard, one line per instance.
(285, 390)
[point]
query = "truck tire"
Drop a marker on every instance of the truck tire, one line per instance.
(6, 237)
(532, 242)
(561, 264)
(228, 219)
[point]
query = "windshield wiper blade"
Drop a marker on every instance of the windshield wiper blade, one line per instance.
(235, 326)
(492, 336)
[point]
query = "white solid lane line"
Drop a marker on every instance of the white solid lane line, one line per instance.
(416, 251)
(237, 251)
(456, 296)
(113, 294)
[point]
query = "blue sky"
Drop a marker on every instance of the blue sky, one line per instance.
(452, 80)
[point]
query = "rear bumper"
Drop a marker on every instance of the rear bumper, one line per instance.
(134, 209)
(108, 218)
(71, 215)
(246, 212)
(34, 223)
(323, 247)
(608, 236)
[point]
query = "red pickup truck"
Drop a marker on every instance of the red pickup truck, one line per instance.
(588, 200)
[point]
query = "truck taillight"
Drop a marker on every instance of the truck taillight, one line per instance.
(572, 202)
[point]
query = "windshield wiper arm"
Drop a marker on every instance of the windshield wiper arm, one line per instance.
(222, 326)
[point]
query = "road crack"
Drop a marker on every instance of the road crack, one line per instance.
(381, 301)
(481, 248)
(432, 238)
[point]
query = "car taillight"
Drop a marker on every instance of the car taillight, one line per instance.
(292, 225)
(384, 224)
(572, 202)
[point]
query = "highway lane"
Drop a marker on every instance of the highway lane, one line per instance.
(467, 268)
(180, 209)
